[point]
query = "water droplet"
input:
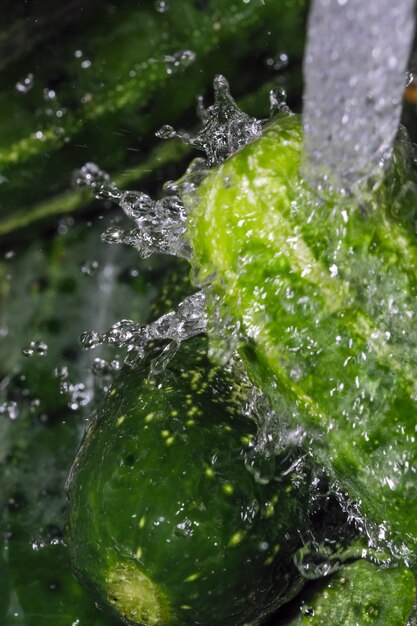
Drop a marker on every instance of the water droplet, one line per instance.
(278, 101)
(79, 395)
(166, 132)
(161, 6)
(61, 372)
(25, 85)
(91, 175)
(90, 268)
(10, 410)
(308, 611)
(90, 339)
(49, 94)
(35, 347)
(279, 62)
(179, 61)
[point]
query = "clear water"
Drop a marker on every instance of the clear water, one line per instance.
(355, 73)
(160, 227)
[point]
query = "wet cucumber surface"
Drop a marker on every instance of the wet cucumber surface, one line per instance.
(324, 291)
(166, 522)
(40, 435)
(359, 594)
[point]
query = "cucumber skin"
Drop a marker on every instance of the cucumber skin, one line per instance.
(179, 491)
(359, 594)
(37, 587)
(325, 295)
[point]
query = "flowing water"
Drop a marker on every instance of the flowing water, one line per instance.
(355, 73)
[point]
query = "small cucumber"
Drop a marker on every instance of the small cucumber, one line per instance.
(359, 594)
(325, 292)
(37, 447)
(166, 523)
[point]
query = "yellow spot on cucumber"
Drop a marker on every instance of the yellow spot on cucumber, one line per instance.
(142, 522)
(120, 420)
(228, 489)
(236, 538)
(192, 577)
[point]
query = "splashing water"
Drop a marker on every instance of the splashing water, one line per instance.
(225, 127)
(160, 226)
(179, 61)
(177, 326)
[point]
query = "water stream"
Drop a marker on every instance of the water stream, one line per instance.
(355, 73)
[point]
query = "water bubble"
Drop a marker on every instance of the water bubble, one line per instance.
(179, 61)
(86, 64)
(26, 84)
(35, 347)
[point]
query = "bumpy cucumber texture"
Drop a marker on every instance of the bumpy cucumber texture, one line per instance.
(359, 594)
(325, 294)
(166, 523)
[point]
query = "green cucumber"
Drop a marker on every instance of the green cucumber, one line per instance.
(37, 448)
(324, 291)
(359, 594)
(166, 523)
